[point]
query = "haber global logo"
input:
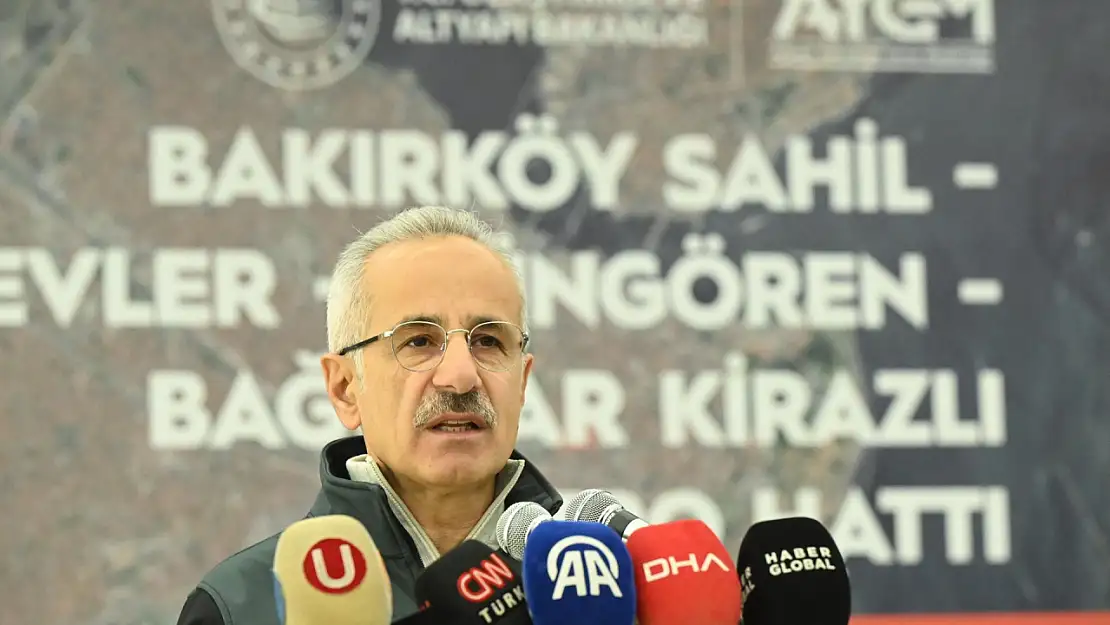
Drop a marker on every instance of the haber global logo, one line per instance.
(334, 566)
(298, 45)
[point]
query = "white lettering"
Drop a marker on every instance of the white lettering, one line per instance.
(662, 568)
(916, 22)
(533, 25)
(821, 291)
(188, 288)
(388, 168)
(585, 571)
(592, 404)
(861, 173)
(768, 407)
(859, 533)
(297, 414)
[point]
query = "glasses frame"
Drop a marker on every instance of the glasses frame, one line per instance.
(388, 334)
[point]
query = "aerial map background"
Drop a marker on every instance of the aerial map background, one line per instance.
(783, 138)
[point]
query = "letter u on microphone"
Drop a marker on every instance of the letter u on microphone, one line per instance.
(578, 572)
(328, 570)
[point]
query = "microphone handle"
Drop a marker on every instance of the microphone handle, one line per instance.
(624, 523)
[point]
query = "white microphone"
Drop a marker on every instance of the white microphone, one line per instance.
(600, 506)
(516, 523)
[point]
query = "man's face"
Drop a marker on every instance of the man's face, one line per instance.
(457, 283)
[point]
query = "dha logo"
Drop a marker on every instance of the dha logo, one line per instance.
(586, 570)
(298, 45)
(662, 568)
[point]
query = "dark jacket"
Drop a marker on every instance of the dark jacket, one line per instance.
(240, 590)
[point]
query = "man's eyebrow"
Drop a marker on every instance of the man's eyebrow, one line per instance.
(422, 317)
(474, 320)
(471, 321)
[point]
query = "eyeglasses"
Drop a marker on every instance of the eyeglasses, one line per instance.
(420, 345)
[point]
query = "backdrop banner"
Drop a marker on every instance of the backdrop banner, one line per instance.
(842, 259)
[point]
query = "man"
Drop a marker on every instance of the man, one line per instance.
(427, 355)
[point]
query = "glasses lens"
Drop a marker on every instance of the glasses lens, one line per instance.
(496, 345)
(418, 345)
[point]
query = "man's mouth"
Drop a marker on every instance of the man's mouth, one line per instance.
(455, 426)
(457, 423)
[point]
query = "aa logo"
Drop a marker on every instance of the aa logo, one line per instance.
(585, 571)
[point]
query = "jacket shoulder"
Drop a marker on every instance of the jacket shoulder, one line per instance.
(241, 588)
(200, 609)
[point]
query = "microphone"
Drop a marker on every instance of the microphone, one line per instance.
(578, 572)
(683, 575)
(426, 616)
(516, 523)
(328, 570)
(792, 572)
(600, 506)
(473, 584)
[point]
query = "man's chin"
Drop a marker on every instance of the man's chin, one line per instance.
(458, 469)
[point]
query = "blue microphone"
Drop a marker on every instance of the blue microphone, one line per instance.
(578, 572)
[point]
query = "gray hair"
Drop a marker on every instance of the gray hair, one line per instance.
(347, 307)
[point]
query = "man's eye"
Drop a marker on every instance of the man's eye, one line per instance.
(487, 341)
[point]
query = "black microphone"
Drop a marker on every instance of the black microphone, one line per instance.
(792, 572)
(599, 506)
(426, 616)
(473, 585)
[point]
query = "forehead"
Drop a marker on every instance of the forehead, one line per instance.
(454, 279)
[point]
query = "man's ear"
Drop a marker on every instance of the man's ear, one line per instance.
(529, 360)
(341, 383)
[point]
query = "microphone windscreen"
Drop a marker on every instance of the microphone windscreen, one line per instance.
(328, 570)
(683, 575)
(785, 560)
(578, 572)
(590, 505)
(516, 523)
(472, 583)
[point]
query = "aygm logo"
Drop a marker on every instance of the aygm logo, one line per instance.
(586, 571)
(298, 44)
(884, 36)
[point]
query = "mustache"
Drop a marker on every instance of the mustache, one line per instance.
(472, 402)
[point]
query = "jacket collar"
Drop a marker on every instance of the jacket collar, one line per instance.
(367, 502)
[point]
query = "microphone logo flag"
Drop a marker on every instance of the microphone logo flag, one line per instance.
(474, 584)
(334, 566)
(578, 572)
(585, 571)
(328, 570)
(684, 575)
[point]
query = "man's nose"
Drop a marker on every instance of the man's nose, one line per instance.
(457, 371)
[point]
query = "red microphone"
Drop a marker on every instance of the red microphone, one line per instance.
(684, 575)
